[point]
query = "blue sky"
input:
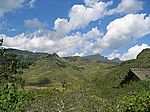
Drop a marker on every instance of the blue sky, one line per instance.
(113, 28)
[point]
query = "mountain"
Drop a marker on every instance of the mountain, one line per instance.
(33, 56)
(116, 60)
(97, 58)
(54, 55)
(100, 58)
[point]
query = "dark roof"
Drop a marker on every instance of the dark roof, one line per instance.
(141, 73)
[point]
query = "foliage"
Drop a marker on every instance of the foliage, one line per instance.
(136, 103)
(12, 100)
(11, 67)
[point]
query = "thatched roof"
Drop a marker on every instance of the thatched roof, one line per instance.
(141, 73)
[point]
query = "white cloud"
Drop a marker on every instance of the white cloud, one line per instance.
(90, 2)
(68, 45)
(10, 5)
(127, 6)
(32, 3)
(14, 5)
(119, 32)
(34, 24)
(65, 46)
(124, 30)
(61, 26)
(130, 54)
(77, 44)
(80, 16)
(27, 42)
(93, 34)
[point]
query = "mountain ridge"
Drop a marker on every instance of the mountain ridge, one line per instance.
(33, 56)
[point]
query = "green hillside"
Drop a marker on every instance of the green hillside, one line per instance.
(73, 84)
(60, 70)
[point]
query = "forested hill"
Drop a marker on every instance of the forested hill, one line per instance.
(33, 56)
(79, 69)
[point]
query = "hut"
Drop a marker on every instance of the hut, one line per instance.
(136, 74)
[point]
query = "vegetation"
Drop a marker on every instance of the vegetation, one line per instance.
(11, 67)
(136, 103)
(11, 99)
(75, 84)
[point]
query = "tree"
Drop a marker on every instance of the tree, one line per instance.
(11, 99)
(11, 67)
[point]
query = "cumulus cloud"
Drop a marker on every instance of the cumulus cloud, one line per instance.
(124, 30)
(66, 46)
(127, 6)
(130, 54)
(88, 41)
(119, 32)
(93, 34)
(27, 42)
(81, 15)
(35, 24)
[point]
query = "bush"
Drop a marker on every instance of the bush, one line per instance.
(136, 103)
(12, 100)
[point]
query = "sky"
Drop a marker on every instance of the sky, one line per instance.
(112, 28)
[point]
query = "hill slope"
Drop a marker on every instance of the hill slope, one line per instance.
(57, 70)
(73, 84)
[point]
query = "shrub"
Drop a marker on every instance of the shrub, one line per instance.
(12, 100)
(136, 103)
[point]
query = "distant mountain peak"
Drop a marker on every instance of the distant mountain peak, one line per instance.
(100, 58)
(54, 55)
